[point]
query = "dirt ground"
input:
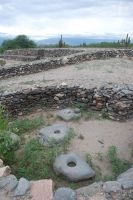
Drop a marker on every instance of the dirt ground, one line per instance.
(92, 136)
(98, 135)
(87, 74)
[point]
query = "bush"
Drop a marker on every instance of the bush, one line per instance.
(118, 166)
(7, 147)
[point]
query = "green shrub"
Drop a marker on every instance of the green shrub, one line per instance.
(118, 166)
(7, 147)
(3, 119)
(25, 125)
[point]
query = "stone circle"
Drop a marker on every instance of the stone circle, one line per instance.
(72, 167)
(69, 114)
(55, 133)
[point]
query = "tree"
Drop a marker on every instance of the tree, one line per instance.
(21, 41)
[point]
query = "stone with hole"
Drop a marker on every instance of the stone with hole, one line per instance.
(69, 114)
(53, 134)
(72, 167)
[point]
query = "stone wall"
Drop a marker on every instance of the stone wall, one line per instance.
(50, 63)
(37, 54)
(116, 100)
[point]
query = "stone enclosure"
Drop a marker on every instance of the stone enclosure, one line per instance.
(62, 57)
(115, 100)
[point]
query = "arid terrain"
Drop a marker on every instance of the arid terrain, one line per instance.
(93, 135)
(87, 74)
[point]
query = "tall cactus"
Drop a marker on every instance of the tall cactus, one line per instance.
(127, 41)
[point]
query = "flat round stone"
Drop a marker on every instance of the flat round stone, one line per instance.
(53, 134)
(72, 167)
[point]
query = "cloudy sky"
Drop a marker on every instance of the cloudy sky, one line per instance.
(55, 17)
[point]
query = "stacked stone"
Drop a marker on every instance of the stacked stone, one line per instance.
(35, 54)
(61, 60)
(62, 96)
(119, 100)
(116, 100)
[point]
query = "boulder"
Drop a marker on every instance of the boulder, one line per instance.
(126, 179)
(72, 167)
(112, 186)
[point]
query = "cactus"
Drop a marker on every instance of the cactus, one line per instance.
(61, 43)
(125, 42)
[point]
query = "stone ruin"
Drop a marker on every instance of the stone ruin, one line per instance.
(114, 99)
(37, 53)
(22, 189)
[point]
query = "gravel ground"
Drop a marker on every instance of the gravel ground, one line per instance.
(87, 74)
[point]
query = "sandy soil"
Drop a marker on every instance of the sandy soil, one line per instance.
(98, 135)
(94, 136)
(87, 74)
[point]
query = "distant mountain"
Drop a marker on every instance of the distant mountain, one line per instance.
(74, 40)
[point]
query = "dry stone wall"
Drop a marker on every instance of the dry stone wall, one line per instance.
(51, 63)
(116, 100)
(36, 54)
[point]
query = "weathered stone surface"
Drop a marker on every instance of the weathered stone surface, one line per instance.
(79, 170)
(89, 191)
(112, 101)
(22, 187)
(53, 134)
(64, 194)
(112, 186)
(68, 114)
(126, 179)
(8, 182)
(42, 190)
(5, 171)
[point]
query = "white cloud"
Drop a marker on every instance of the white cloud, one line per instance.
(44, 17)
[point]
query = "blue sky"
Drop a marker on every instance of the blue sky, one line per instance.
(44, 18)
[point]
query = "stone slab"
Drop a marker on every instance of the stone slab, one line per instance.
(41, 190)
